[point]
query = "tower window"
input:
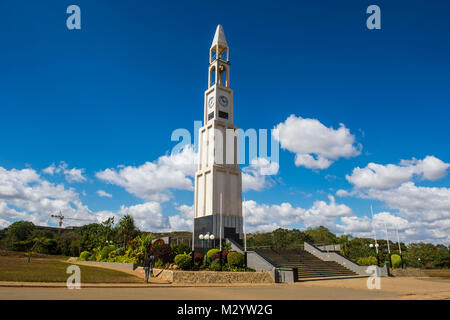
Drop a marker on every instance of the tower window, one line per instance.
(223, 79)
(223, 114)
(211, 115)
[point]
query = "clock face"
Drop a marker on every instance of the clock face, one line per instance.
(211, 101)
(223, 101)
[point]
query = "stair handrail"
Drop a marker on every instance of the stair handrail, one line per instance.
(275, 265)
(338, 253)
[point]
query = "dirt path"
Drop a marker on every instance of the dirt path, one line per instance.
(274, 291)
(405, 287)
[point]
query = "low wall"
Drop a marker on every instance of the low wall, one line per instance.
(333, 256)
(125, 266)
(409, 272)
(178, 276)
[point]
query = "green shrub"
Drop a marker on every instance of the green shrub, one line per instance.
(212, 252)
(159, 264)
(230, 268)
(183, 261)
(104, 253)
(396, 261)
(84, 256)
(112, 256)
(216, 256)
(215, 265)
(181, 248)
(367, 261)
(235, 259)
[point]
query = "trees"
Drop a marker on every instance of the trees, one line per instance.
(69, 244)
(442, 257)
(430, 256)
(279, 238)
(126, 229)
(18, 234)
(321, 235)
(91, 236)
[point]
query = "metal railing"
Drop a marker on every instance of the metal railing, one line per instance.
(299, 246)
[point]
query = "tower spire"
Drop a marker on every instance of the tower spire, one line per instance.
(219, 37)
(219, 47)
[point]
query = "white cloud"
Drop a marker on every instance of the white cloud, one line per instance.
(152, 180)
(255, 176)
(388, 176)
(105, 194)
(356, 226)
(24, 195)
(427, 209)
(431, 168)
(148, 216)
(427, 203)
(71, 175)
(50, 170)
(343, 193)
(363, 226)
(315, 145)
(263, 217)
(3, 223)
(408, 229)
(184, 220)
(311, 162)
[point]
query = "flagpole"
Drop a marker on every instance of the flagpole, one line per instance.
(220, 231)
(387, 238)
(243, 227)
(374, 231)
(398, 240)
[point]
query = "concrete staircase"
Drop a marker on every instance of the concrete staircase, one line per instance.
(306, 266)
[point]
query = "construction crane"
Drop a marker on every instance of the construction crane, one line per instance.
(61, 218)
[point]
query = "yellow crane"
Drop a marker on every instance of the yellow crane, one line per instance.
(61, 218)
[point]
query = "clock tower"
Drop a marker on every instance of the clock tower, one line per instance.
(218, 180)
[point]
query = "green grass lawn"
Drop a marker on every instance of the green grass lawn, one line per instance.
(46, 268)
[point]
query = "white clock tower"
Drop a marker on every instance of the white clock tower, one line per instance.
(218, 176)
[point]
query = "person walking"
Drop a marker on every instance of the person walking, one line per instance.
(147, 266)
(152, 263)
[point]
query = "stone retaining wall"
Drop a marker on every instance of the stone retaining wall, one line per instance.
(178, 276)
(126, 266)
(409, 272)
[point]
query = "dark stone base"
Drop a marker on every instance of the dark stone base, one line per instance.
(231, 228)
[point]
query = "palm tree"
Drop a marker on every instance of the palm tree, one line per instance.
(37, 242)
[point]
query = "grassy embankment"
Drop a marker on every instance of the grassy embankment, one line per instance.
(14, 266)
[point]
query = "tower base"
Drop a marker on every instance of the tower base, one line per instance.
(232, 228)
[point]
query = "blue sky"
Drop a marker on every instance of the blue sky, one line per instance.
(111, 94)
